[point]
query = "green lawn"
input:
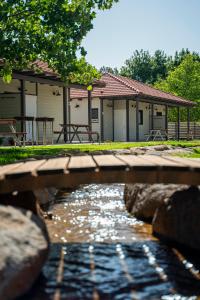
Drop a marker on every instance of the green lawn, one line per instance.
(11, 154)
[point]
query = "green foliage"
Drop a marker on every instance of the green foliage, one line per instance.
(146, 68)
(149, 68)
(138, 67)
(50, 30)
(109, 70)
(184, 81)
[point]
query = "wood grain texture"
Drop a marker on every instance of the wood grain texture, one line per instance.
(109, 162)
(81, 163)
(54, 166)
(27, 168)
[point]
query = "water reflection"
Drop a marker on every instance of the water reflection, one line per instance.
(99, 252)
(95, 214)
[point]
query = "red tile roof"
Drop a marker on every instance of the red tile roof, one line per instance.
(119, 87)
(46, 71)
(43, 66)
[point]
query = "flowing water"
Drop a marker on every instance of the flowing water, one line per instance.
(100, 252)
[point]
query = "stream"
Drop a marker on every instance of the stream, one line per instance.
(99, 251)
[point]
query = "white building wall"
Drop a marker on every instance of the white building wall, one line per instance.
(159, 121)
(144, 128)
(50, 105)
(108, 120)
(79, 115)
(120, 120)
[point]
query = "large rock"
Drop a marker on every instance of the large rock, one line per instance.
(46, 196)
(142, 200)
(24, 249)
(26, 200)
(178, 220)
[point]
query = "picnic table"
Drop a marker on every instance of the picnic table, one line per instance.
(75, 130)
(18, 136)
(27, 121)
(159, 134)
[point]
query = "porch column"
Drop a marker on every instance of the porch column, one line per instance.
(113, 119)
(90, 110)
(152, 115)
(137, 120)
(102, 119)
(22, 103)
(188, 122)
(65, 112)
(178, 123)
(127, 121)
(166, 120)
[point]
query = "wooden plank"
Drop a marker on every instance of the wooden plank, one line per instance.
(81, 164)
(189, 162)
(137, 162)
(109, 162)
(141, 171)
(5, 169)
(164, 163)
(28, 168)
(54, 166)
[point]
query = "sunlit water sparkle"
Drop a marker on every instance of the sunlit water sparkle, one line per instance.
(100, 252)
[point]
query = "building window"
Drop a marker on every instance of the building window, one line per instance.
(159, 113)
(140, 117)
(95, 115)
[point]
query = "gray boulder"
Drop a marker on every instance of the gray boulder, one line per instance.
(142, 200)
(24, 248)
(177, 220)
(45, 196)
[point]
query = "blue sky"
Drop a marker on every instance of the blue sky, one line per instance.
(169, 25)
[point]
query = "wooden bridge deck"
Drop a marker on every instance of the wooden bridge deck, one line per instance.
(72, 171)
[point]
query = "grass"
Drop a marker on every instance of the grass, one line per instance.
(11, 154)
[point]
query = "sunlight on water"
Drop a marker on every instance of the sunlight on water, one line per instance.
(96, 214)
(100, 252)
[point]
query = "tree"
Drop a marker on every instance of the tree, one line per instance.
(184, 81)
(179, 57)
(159, 68)
(109, 70)
(151, 68)
(50, 30)
(138, 66)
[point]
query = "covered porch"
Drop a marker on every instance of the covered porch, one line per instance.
(133, 119)
(39, 103)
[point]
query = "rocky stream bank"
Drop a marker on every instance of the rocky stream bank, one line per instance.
(172, 209)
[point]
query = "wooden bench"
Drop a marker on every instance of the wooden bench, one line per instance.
(73, 130)
(18, 136)
(89, 133)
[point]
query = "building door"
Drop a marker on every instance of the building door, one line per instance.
(31, 111)
(120, 120)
